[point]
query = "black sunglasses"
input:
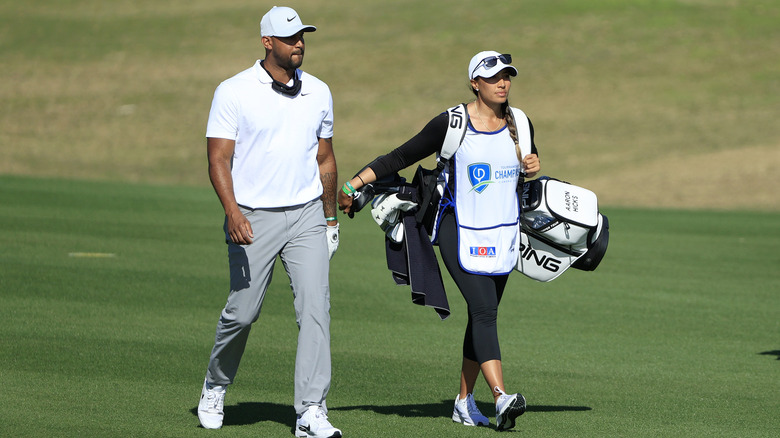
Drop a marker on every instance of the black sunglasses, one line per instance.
(491, 61)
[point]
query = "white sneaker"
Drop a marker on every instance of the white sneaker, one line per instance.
(314, 423)
(466, 412)
(508, 407)
(211, 405)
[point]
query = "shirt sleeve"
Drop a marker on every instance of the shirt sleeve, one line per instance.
(425, 143)
(533, 144)
(223, 117)
(326, 128)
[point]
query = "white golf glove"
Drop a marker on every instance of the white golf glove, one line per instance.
(386, 212)
(332, 234)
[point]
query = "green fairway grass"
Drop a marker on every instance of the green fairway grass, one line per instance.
(113, 267)
(675, 334)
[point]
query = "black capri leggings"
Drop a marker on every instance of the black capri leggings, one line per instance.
(482, 294)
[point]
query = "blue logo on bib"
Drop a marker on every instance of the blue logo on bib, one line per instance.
(479, 176)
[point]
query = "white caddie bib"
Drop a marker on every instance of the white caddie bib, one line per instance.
(486, 172)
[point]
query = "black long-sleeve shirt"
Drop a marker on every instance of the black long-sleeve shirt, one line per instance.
(425, 143)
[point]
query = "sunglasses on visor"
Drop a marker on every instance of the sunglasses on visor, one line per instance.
(491, 61)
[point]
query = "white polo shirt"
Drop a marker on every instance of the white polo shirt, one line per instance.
(275, 158)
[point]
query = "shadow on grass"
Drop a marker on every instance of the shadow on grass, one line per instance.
(444, 408)
(256, 412)
(248, 413)
(772, 353)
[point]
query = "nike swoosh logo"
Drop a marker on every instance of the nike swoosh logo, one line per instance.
(291, 19)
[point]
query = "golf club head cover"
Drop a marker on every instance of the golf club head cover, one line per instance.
(387, 213)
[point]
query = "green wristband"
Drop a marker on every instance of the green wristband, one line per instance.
(344, 189)
(330, 218)
(349, 186)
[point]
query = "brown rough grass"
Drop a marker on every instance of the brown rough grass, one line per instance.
(671, 104)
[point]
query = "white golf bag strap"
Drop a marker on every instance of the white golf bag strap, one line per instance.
(456, 130)
(520, 117)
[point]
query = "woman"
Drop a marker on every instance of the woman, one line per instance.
(478, 227)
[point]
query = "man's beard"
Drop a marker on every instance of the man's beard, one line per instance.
(289, 63)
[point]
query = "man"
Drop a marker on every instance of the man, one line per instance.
(272, 165)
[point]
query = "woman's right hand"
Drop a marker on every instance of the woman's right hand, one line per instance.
(366, 176)
(345, 201)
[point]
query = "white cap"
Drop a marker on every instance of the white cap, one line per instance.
(477, 68)
(282, 21)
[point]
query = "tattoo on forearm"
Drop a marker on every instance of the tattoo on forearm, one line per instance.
(329, 193)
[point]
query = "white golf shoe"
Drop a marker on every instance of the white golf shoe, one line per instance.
(466, 412)
(508, 407)
(211, 406)
(314, 424)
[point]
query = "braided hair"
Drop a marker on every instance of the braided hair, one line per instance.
(511, 125)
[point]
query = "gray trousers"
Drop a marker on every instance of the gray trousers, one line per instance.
(297, 235)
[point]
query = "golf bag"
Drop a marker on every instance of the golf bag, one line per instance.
(561, 227)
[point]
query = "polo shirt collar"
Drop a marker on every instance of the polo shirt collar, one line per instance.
(263, 75)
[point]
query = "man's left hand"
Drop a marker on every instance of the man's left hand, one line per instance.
(333, 239)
